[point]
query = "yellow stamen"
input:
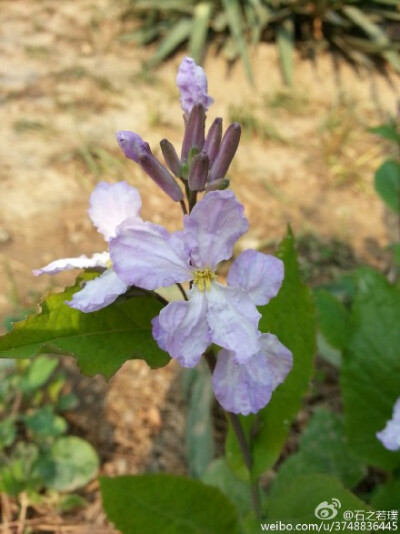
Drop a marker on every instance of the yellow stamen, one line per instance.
(203, 279)
(109, 263)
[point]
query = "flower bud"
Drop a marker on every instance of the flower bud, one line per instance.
(194, 131)
(218, 185)
(160, 175)
(213, 139)
(227, 150)
(192, 83)
(198, 172)
(171, 157)
(132, 145)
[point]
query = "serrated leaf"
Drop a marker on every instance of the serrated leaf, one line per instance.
(291, 317)
(370, 378)
(323, 449)
(387, 184)
(167, 504)
(101, 341)
(298, 503)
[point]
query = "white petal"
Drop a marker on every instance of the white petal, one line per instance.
(390, 435)
(99, 293)
(233, 321)
(280, 359)
(110, 204)
(82, 262)
(260, 275)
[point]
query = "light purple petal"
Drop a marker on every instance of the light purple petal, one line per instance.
(147, 256)
(98, 293)
(280, 359)
(213, 227)
(132, 145)
(110, 204)
(259, 275)
(182, 330)
(233, 320)
(242, 389)
(192, 83)
(246, 388)
(82, 262)
(390, 435)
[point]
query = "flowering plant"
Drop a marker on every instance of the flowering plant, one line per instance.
(255, 329)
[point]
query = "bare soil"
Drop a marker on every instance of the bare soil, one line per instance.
(67, 83)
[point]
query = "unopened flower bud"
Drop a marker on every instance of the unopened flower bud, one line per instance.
(171, 157)
(192, 83)
(161, 176)
(213, 139)
(198, 172)
(132, 145)
(194, 131)
(227, 150)
(218, 185)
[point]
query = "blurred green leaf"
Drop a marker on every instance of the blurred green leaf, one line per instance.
(285, 42)
(8, 432)
(370, 376)
(387, 184)
(387, 131)
(101, 341)
(169, 504)
(198, 37)
(16, 472)
(386, 496)
(44, 423)
(332, 318)
(38, 373)
(67, 402)
(177, 34)
(323, 449)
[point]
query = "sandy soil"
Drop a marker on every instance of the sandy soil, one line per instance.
(67, 84)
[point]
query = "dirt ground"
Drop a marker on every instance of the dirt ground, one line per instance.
(68, 83)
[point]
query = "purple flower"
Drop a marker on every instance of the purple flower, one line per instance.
(390, 435)
(110, 204)
(192, 83)
(147, 256)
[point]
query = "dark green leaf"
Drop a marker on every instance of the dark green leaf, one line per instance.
(387, 131)
(298, 503)
(44, 423)
(323, 449)
(101, 341)
(332, 318)
(387, 184)
(370, 379)
(387, 496)
(8, 432)
(169, 504)
(291, 317)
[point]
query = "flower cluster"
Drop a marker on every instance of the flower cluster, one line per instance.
(249, 364)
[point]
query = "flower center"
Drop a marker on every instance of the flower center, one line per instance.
(203, 279)
(109, 264)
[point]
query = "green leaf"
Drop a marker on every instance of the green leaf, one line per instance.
(8, 432)
(234, 15)
(198, 37)
(67, 402)
(291, 317)
(298, 502)
(285, 42)
(176, 35)
(332, 318)
(16, 474)
(387, 496)
(101, 341)
(199, 426)
(44, 423)
(38, 373)
(370, 379)
(220, 476)
(387, 184)
(70, 464)
(167, 504)
(387, 131)
(323, 449)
